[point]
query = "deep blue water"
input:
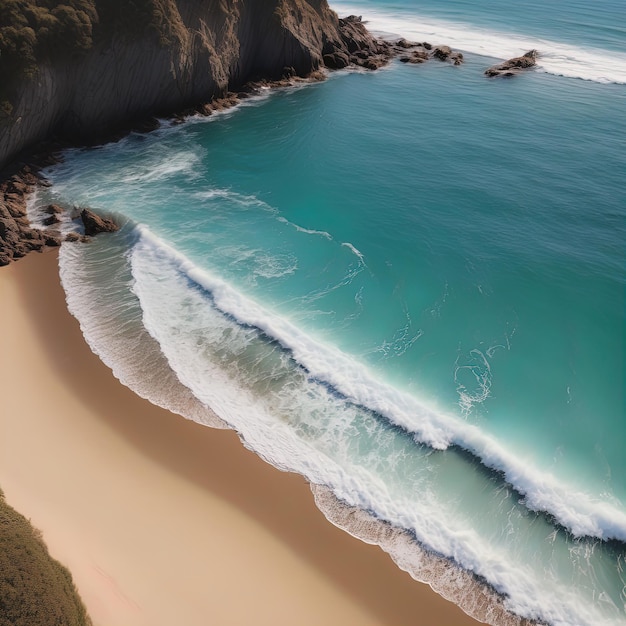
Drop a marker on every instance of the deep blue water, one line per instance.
(407, 285)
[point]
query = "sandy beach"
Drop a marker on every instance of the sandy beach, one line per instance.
(162, 521)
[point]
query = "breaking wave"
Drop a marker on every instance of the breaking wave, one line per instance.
(204, 350)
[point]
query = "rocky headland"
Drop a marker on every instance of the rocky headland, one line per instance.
(513, 66)
(173, 55)
(89, 71)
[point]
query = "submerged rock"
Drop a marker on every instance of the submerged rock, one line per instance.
(417, 56)
(52, 219)
(513, 66)
(403, 43)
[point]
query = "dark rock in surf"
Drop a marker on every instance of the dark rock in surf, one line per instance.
(513, 66)
(50, 220)
(357, 46)
(445, 53)
(442, 53)
(52, 238)
(417, 56)
(95, 224)
(403, 43)
(457, 58)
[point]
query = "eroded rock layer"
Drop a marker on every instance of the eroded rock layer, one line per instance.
(201, 50)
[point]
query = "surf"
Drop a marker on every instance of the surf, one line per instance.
(217, 353)
(557, 58)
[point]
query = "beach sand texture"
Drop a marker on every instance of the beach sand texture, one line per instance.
(162, 521)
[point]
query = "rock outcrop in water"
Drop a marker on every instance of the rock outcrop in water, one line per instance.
(513, 66)
(17, 237)
(412, 52)
(87, 69)
(94, 224)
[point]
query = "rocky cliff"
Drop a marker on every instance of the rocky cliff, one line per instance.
(178, 53)
(81, 70)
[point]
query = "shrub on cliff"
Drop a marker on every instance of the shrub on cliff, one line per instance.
(33, 32)
(38, 31)
(35, 590)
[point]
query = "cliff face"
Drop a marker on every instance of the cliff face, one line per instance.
(212, 46)
(83, 69)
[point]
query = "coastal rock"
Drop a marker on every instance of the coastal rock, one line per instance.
(95, 224)
(442, 52)
(417, 56)
(445, 53)
(198, 51)
(403, 43)
(52, 219)
(17, 238)
(513, 66)
(356, 46)
(52, 238)
(457, 58)
(336, 60)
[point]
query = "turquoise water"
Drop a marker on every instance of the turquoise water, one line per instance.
(406, 285)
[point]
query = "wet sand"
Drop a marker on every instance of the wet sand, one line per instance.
(160, 520)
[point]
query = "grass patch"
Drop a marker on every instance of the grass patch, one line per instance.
(35, 590)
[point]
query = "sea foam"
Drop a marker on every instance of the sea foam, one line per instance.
(207, 345)
(561, 59)
(96, 280)
(581, 513)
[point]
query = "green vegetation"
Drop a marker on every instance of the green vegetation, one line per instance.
(32, 31)
(37, 31)
(35, 590)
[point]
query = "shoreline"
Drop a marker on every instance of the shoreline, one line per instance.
(92, 465)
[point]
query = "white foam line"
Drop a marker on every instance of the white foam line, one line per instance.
(581, 513)
(264, 423)
(354, 250)
(307, 231)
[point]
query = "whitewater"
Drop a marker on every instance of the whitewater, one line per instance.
(572, 60)
(304, 424)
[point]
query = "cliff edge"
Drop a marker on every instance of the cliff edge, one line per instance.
(82, 68)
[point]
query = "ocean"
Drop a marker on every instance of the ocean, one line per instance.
(407, 285)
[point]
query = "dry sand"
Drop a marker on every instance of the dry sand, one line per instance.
(161, 521)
